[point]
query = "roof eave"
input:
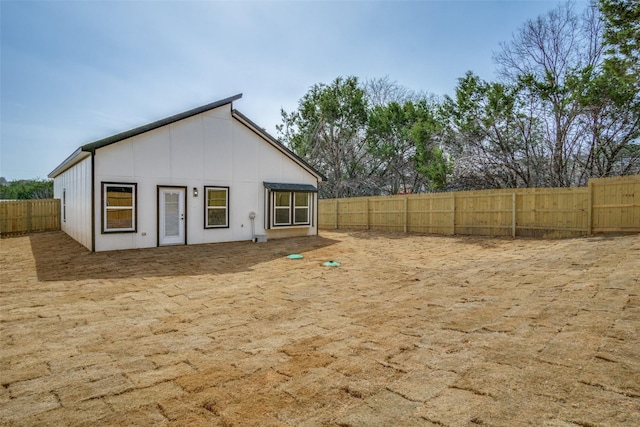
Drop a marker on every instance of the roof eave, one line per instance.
(76, 157)
(279, 186)
(157, 124)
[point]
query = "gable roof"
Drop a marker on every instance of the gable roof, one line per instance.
(157, 124)
(85, 150)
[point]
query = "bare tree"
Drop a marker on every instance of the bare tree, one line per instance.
(382, 91)
(543, 58)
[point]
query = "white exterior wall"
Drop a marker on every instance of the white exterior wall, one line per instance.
(208, 149)
(75, 215)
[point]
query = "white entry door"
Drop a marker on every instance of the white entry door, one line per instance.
(171, 216)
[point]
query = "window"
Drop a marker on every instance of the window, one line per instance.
(288, 204)
(118, 207)
(217, 207)
(301, 208)
(290, 208)
(282, 208)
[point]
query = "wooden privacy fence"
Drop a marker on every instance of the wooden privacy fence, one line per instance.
(26, 216)
(607, 205)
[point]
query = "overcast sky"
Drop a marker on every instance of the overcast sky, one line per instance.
(77, 71)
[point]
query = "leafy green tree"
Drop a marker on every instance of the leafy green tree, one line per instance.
(494, 137)
(566, 108)
(389, 145)
(435, 165)
(622, 31)
(613, 97)
(610, 123)
(432, 162)
(403, 140)
(328, 130)
(403, 134)
(26, 189)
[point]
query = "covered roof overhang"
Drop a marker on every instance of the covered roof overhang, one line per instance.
(76, 157)
(277, 186)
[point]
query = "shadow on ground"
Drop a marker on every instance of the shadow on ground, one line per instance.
(399, 235)
(59, 257)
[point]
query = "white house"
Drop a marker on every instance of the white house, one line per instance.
(206, 175)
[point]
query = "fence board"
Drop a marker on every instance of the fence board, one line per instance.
(430, 215)
(607, 205)
(26, 216)
(616, 204)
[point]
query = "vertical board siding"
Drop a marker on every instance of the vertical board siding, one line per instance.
(26, 216)
(607, 205)
(76, 182)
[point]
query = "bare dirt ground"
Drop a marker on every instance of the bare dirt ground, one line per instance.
(409, 330)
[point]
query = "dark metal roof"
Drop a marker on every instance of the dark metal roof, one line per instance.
(75, 157)
(80, 153)
(290, 187)
(163, 122)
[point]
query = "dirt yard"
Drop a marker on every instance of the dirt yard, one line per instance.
(407, 331)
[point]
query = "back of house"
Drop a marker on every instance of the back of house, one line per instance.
(206, 175)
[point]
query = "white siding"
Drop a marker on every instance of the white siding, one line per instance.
(74, 185)
(246, 154)
(187, 149)
(208, 149)
(152, 153)
(218, 150)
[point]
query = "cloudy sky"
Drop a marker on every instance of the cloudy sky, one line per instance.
(73, 72)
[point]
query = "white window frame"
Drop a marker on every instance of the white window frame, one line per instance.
(290, 208)
(281, 208)
(132, 208)
(305, 207)
(207, 207)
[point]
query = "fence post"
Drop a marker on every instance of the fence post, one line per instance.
(336, 214)
(453, 213)
(590, 208)
(406, 212)
(58, 216)
(513, 215)
(29, 216)
(3, 218)
(367, 207)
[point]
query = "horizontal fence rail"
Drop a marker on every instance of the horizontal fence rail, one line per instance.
(607, 205)
(27, 216)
